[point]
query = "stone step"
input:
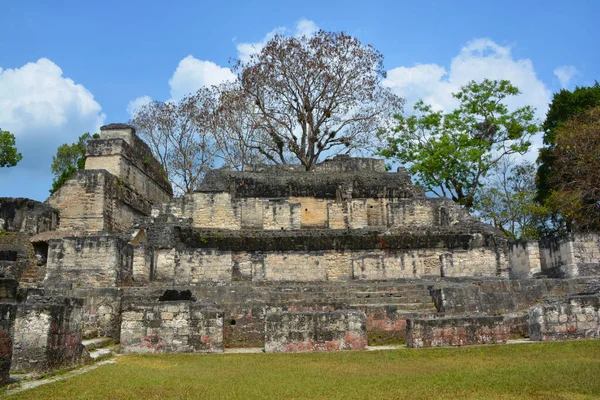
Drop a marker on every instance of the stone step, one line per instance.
(102, 353)
(344, 297)
(401, 307)
(97, 343)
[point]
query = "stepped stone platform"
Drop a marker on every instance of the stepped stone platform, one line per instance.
(340, 257)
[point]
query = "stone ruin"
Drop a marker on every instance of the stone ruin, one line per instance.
(338, 258)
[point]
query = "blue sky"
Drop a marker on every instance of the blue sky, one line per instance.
(67, 67)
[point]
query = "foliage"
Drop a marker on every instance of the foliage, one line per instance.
(180, 136)
(560, 370)
(507, 200)
(565, 105)
(9, 157)
(315, 96)
(451, 154)
(575, 180)
(69, 159)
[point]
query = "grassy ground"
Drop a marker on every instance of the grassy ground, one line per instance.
(538, 371)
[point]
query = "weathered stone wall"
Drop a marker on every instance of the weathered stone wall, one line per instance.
(315, 331)
(456, 331)
(207, 210)
(170, 327)
(7, 320)
(524, 259)
(48, 333)
(576, 254)
(577, 317)
(498, 296)
(95, 200)
(26, 216)
(123, 154)
(16, 253)
(180, 266)
(99, 261)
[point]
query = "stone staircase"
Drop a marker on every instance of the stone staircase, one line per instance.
(30, 275)
(100, 348)
(405, 297)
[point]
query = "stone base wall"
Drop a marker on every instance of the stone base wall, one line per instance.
(95, 200)
(524, 259)
(170, 327)
(195, 266)
(7, 321)
(576, 318)
(47, 334)
(315, 331)
(100, 261)
(101, 309)
(499, 296)
(577, 254)
(456, 331)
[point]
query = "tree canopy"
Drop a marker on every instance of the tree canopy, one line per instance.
(68, 159)
(450, 154)
(507, 200)
(565, 105)
(575, 180)
(180, 136)
(315, 96)
(9, 156)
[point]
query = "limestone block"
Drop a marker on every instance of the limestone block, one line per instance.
(315, 331)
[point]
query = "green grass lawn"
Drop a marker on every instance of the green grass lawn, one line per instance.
(568, 370)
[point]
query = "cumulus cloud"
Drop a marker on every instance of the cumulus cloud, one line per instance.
(565, 74)
(43, 109)
(192, 74)
(477, 60)
(246, 50)
(306, 27)
(135, 104)
(303, 27)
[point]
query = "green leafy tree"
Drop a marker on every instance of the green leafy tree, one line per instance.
(565, 105)
(575, 181)
(69, 159)
(507, 200)
(451, 154)
(9, 157)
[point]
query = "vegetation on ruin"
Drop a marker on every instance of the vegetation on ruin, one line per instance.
(69, 159)
(507, 200)
(575, 181)
(9, 156)
(567, 370)
(296, 101)
(316, 95)
(565, 105)
(569, 204)
(451, 154)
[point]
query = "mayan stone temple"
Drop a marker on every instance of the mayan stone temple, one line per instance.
(339, 258)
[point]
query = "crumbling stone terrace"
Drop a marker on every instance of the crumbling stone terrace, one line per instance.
(276, 257)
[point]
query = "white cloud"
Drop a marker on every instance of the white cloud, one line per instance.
(477, 60)
(42, 109)
(565, 74)
(134, 105)
(246, 50)
(304, 27)
(192, 74)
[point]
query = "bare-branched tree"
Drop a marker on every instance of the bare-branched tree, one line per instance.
(240, 138)
(180, 135)
(316, 96)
